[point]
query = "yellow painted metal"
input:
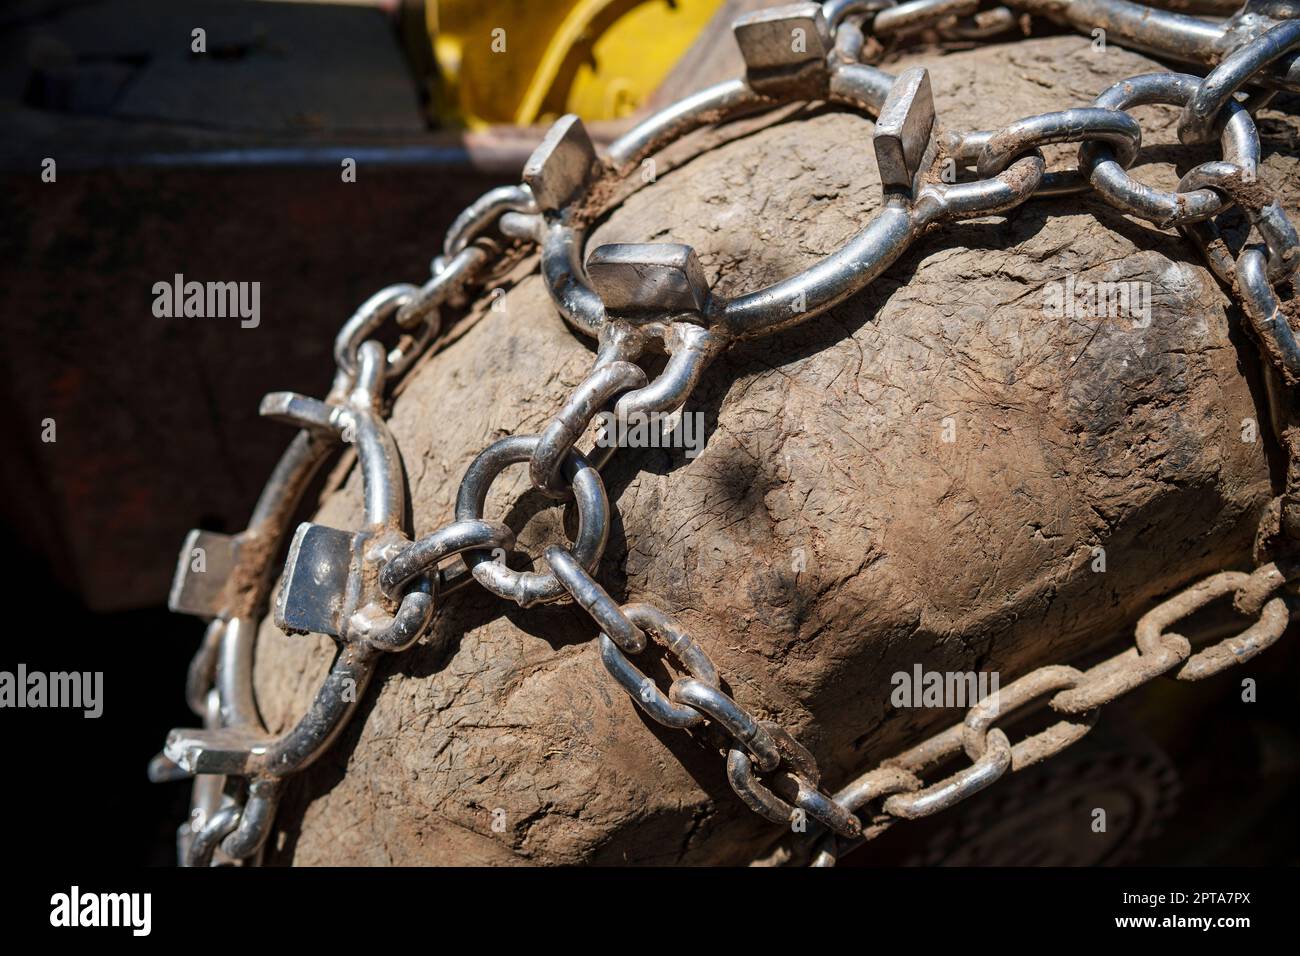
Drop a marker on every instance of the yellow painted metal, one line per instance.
(526, 61)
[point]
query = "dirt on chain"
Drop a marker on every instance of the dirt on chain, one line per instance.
(828, 535)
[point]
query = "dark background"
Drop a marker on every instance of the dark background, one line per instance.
(209, 168)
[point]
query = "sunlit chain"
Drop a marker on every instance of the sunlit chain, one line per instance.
(1190, 39)
(229, 578)
(756, 745)
(373, 590)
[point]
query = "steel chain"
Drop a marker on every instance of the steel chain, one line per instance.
(1077, 696)
(374, 590)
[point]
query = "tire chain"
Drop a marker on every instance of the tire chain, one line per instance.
(374, 590)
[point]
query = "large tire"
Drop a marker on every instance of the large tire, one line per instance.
(826, 443)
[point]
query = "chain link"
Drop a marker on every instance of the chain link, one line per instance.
(374, 590)
(1076, 695)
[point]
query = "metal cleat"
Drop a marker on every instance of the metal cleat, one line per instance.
(662, 278)
(784, 46)
(163, 770)
(223, 751)
(904, 128)
(206, 563)
(329, 587)
(314, 592)
(561, 165)
(290, 408)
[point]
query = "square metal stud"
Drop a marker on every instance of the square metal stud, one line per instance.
(648, 277)
(206, 561)
(783, 44)
(314, 591)
(290, 408)
(904, 127)
(224, 750)
(561, 165)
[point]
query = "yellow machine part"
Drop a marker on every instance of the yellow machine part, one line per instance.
(528, 61)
